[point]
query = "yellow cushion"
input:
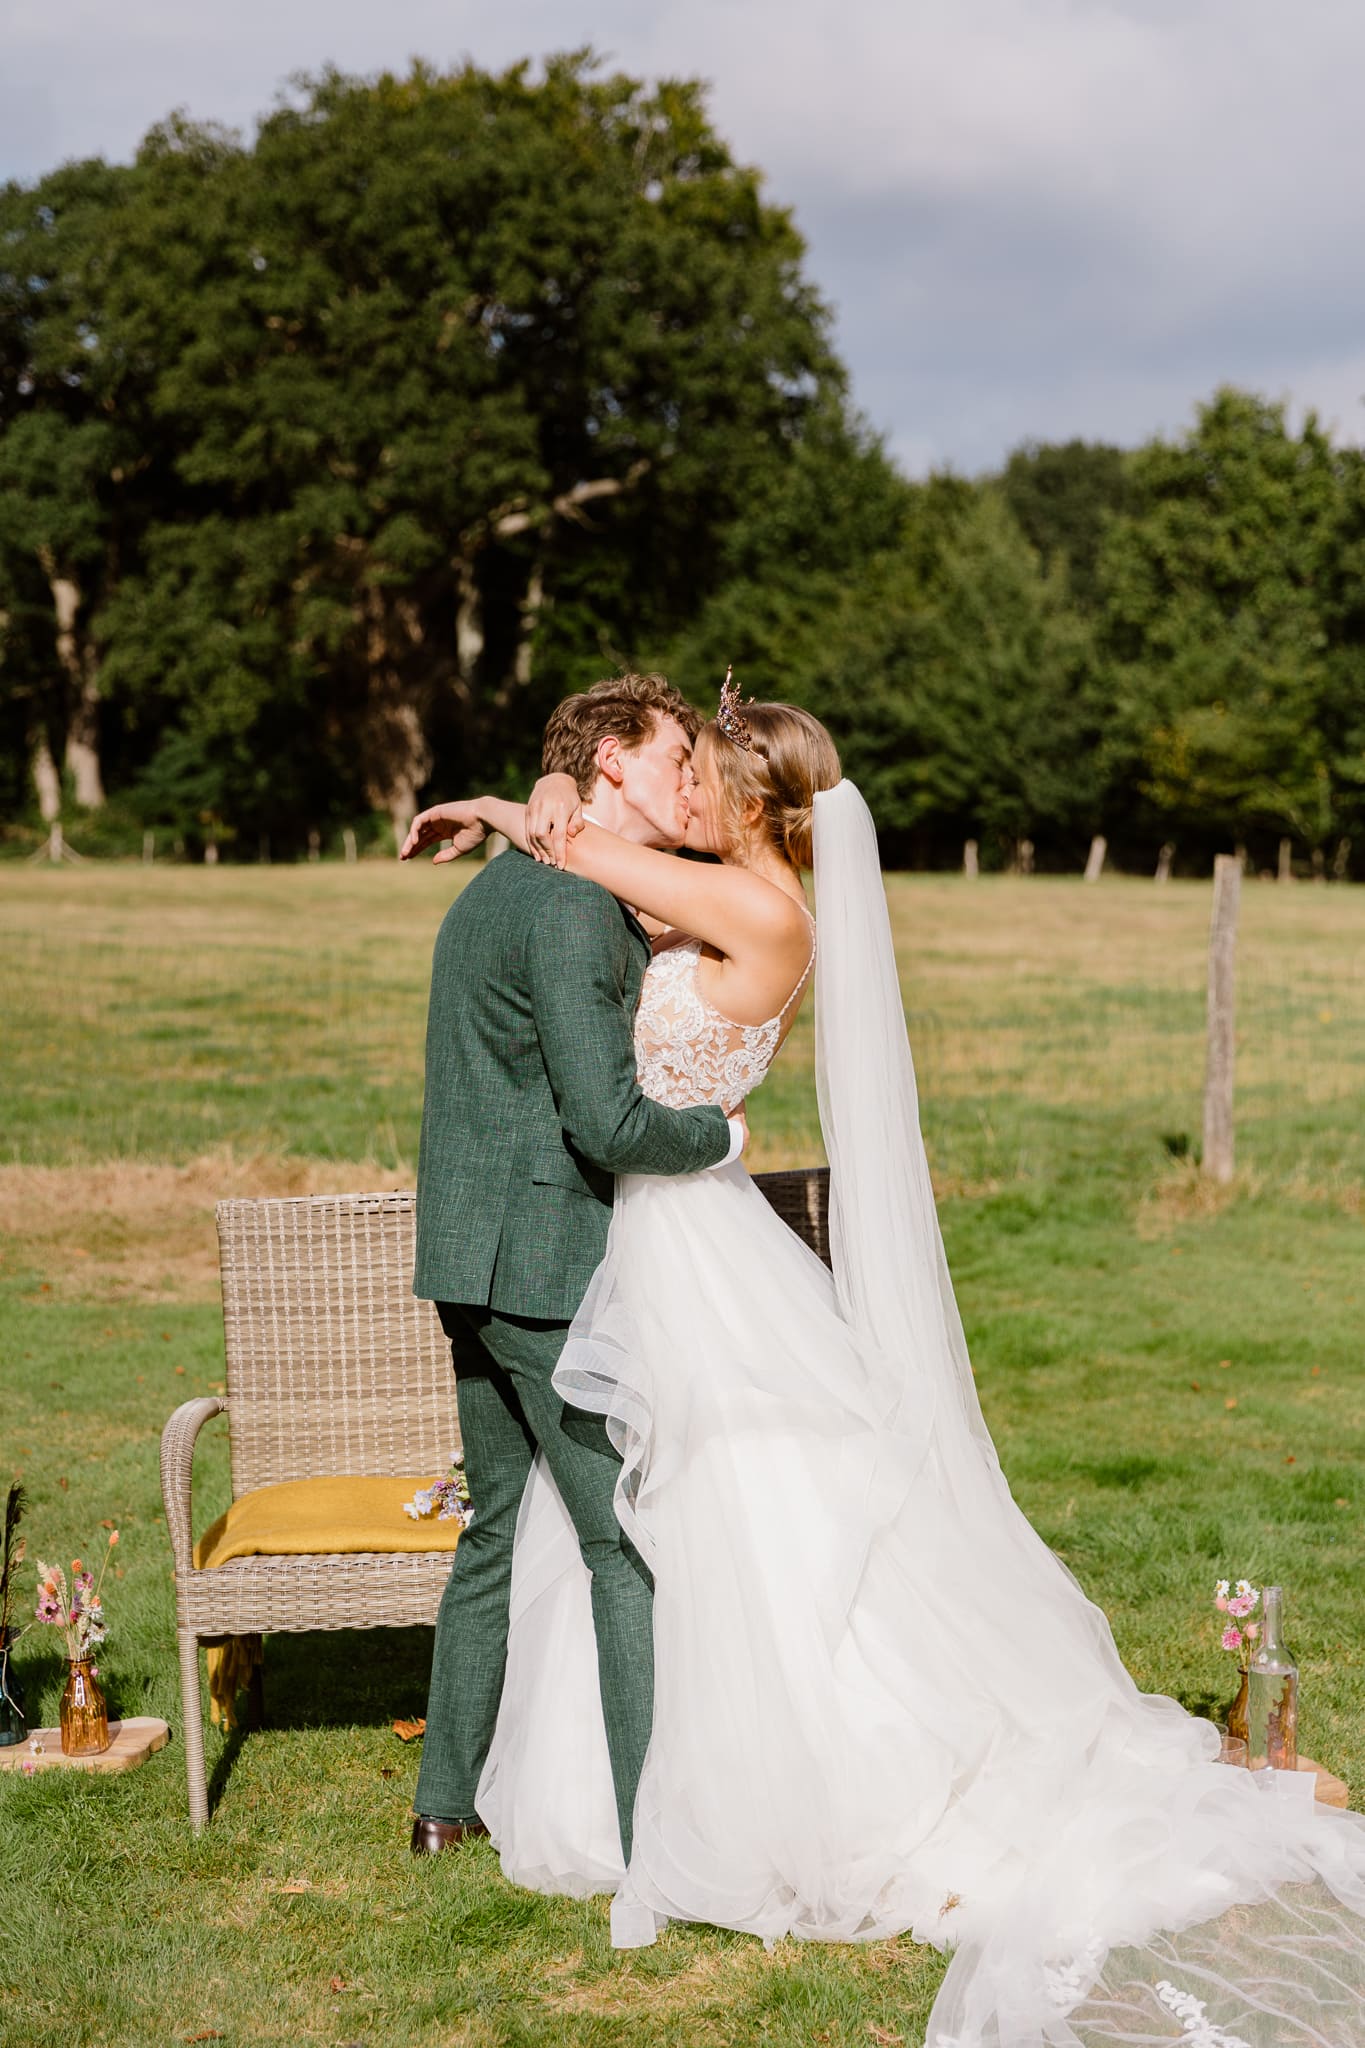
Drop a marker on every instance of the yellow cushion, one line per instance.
(306, 1517)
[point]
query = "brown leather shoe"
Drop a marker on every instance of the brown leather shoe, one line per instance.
(430, 1836)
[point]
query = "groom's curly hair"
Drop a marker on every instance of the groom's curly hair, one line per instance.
(628, 707)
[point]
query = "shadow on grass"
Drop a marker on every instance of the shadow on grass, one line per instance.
(350, 1678)
(1205, 1706)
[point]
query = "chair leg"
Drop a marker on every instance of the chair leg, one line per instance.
(193, 1730)
(255, 1697)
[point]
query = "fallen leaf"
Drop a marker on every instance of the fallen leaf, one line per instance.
(108, 1525)
(180, 1368)
(1291, 1461)
(406, 1730)
(387, 1770)
(338, 1984)
(1194, 1386)
(209, 2034)
(300, 1885)
(1231, 1401)
(64, 1483)
(884, 2035)
(1224, 1364)
(1341, 1503)
(1317, 1370)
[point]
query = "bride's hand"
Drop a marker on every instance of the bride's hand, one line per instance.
(460, 823)
(554, 816)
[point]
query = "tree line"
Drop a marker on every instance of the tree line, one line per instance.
(330, 460)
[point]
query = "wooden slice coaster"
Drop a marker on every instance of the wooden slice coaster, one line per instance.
(131, 1742)
(1331, 1791)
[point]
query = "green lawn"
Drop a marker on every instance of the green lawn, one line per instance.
(1175, 1383)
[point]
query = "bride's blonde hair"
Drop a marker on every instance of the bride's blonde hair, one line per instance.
(789, 759)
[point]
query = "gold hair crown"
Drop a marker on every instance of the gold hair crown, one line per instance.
(730, 719)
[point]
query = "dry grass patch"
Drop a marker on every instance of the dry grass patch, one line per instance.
(1185, 1195)
(629, 1990)
(131, 1231)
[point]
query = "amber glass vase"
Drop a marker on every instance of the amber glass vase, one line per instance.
(1237, 1712)
(84, 1716)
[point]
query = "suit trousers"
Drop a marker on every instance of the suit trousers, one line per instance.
(508, 1410)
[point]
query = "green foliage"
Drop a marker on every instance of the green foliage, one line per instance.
(450, 384)
(1219, 615)
(330, 461)
(959, 682)
(1064, 497)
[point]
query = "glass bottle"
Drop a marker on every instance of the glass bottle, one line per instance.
(1272, 1694)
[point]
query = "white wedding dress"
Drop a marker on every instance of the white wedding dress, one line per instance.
(881, 1703)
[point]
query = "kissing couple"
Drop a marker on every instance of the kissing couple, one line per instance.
(747, 1628)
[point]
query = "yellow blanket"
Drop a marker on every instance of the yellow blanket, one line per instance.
(301, 1517)
(304, 1518)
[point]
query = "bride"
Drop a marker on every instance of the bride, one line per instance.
(881, 1703)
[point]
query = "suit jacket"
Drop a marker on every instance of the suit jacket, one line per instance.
(531, 1102)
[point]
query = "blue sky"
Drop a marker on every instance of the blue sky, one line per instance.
(1034, 218)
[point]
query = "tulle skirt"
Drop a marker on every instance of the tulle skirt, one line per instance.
(881, 1703)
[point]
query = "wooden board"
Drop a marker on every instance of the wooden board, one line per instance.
(131, 1743)
(1331, 1791)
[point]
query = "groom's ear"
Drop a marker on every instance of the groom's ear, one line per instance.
(609, 762)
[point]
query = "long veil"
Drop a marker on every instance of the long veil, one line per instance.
(1149, 1894)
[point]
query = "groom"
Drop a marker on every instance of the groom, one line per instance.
(531, 1107)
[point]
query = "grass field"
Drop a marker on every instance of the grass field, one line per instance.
(1175, 1382)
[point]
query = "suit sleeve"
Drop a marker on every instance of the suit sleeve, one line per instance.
(578, 956)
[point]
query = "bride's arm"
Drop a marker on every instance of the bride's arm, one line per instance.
(729, 908)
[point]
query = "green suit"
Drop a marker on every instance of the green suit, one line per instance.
(531, 1108)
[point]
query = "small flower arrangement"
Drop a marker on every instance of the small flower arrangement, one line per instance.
(448, 1499)
(77, 1610)
(1239, 1632)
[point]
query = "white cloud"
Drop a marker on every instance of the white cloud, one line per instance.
(1036, 217)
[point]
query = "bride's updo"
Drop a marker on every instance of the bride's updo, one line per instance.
(789, 759)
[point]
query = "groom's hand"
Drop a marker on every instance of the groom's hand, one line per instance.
(458, 823)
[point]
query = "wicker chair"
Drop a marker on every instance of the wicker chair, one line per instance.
(332, 1367)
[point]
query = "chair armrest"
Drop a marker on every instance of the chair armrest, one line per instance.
(177, 1463)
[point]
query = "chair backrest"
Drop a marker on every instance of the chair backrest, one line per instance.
(801, 1199)
(333, 1365)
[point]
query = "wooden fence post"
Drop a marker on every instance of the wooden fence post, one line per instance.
(1222, 1019)
(1163, 861)
(315, 845)
(149, 847)
(1094, 866)
(348, 841)
(971, 865)
(1026, 856)
(1286, 873)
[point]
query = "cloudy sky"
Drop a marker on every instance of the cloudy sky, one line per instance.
(1035, 218)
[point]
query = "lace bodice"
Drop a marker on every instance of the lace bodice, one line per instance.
(686, 1052)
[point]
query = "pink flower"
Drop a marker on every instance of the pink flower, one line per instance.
(1221, 1603)
(1243, 1604)
(1232, 1639)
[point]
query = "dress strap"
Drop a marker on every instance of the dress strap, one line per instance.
(806, 975)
